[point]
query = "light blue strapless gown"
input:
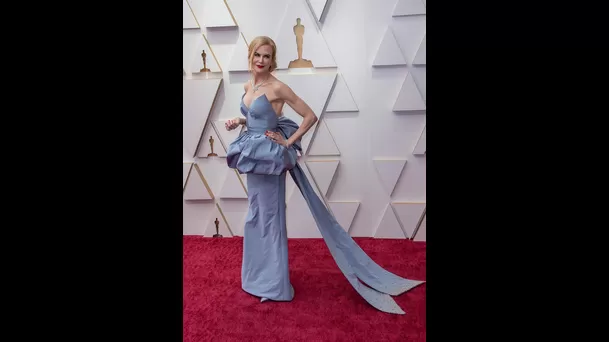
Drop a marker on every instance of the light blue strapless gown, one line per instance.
(264, 271)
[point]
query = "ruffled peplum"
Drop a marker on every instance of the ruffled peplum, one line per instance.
(253, 152)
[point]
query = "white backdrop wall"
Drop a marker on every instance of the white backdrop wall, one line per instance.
(366, 154)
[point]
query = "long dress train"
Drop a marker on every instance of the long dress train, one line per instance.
(265, 259)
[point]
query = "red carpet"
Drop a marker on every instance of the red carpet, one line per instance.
(325, 306)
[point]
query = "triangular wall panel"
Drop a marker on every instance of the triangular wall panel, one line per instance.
(211, 62)
(409, 215)
(409, 98)
(226, 137)
(314, 47)
(210, 137)
(323, 172)
(218, 217)
(189, 45)
(223, 45)
(408, 33)
(389, 52)
(421, 56)
(323, 144)
(409, 7)
(233, 186)
(318, 7)
(186, 168)
(420, 79)
(341, 99)
(300, 222)
(236, 220)
(389, 227)
(196, 187)
(421, 234)
(248, 12)
(212, 13)
(344, 212)
(421, 146)
(186, 157)
(193, 45)
(389, 171)
(188, 19)
(198, 97)
(239, 61)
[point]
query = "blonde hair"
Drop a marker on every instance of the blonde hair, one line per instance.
(258, 42)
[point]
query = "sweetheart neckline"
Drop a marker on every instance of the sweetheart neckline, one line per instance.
(254, 100)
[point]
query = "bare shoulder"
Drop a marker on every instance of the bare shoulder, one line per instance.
(246, 86)
(277, 84)
(282, 90)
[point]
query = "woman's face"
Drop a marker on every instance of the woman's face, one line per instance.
(262, 59)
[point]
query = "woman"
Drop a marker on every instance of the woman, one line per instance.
(265, 152)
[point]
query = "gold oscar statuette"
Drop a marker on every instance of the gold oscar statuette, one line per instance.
(217, 235)
(211, 144)
(299, 31)
(204, 56)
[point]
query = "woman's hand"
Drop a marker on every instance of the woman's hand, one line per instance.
(232, 123)
(277, 137)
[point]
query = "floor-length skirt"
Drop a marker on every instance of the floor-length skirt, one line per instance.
(265, 271)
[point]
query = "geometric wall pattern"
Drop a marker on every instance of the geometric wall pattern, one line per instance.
(421, 146)
(219, 224)
(341, 99)
(198, 97)
(344, 212)
(420, 58)
(389, 171)
(324, 144)
(389, 52)
(315, 47)
(409, 97)
(318, 7)
(188, 19)
(194, 45)
(323, 172)
(196, 186)
(212, 13)
(365, 156)
(409, 215)
(187, 167)
(389, 226)
(421, 233)
(409, 7)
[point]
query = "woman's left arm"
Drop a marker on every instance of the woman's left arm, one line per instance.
(285, 93)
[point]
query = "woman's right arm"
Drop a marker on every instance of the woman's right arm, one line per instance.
(242, 120)
(239, 120)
